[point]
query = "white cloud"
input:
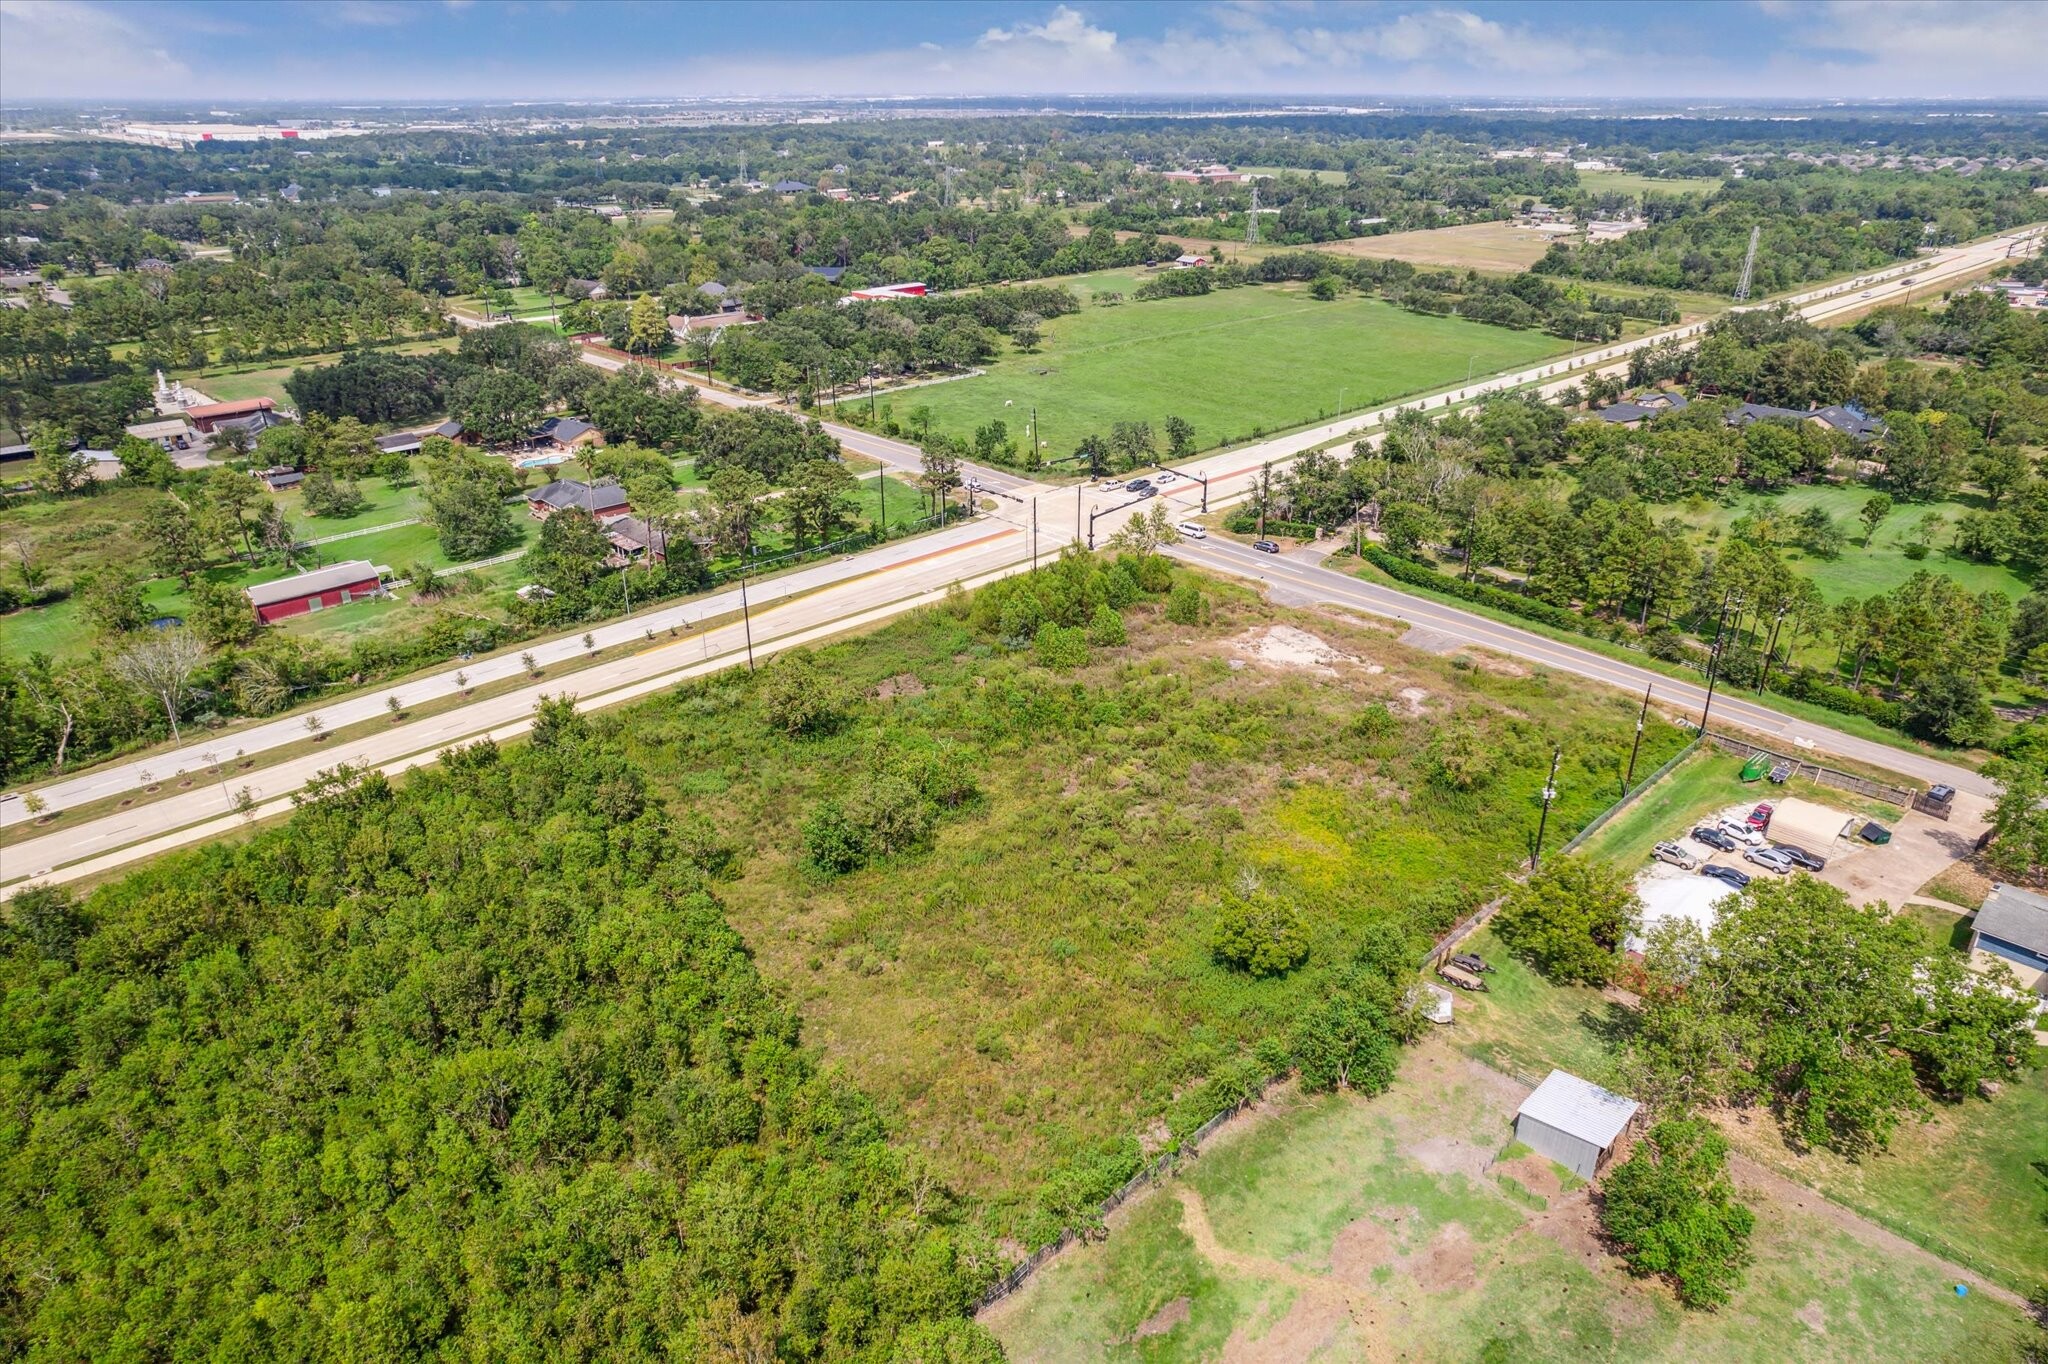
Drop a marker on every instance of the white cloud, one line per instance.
(1985, 49)
(370, 13)
(48, 47)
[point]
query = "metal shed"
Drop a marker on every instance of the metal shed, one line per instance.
(1572, 1121)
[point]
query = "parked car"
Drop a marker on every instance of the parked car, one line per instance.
(1737, 879)
(1802, 858)
(1165, 476)
(1675, 855)
(1266, 546)
(1741, 832)
(1760, 818)
(1714, 838)
(1470, 961)
(1771, 858)
(1190, 531)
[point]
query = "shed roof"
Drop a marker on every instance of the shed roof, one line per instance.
(2017, 916)
(306, 584)
(233, 409)
(1579, 1108)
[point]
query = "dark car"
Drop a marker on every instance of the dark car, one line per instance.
(1737, 879)
(1266, 546)
(1137, 485)
(1800, 857)
(1141, 493)
(1714, 838)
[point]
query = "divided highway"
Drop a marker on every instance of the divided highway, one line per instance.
(831, 597)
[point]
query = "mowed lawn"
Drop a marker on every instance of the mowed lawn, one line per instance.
(1406, 1227)
(1234, 363)
(234, 383)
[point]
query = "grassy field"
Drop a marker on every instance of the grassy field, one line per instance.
(1501, 247)
(1860, 571)
(1234, 362)
(1328, 177)
(1406, 1227)
(1627, 182)
(233, 383)
(1041, 983)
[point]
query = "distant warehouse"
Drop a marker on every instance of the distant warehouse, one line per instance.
(334, 585)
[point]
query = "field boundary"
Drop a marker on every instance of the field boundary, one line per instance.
(1904, 797)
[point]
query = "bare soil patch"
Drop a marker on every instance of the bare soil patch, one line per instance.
(1449, 1156)
(1447, 1262)
(1534, 1173)
(1360, 1248)
(902, 684)
(1813, 1317)
(1288, 646)
(1164, 1320)
(1413, 697)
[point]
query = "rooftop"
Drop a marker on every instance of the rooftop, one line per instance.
(1579, 1108)
(306, 584)
(2017, 916)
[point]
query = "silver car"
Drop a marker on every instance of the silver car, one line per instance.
(1675, 855)
(1770, 859)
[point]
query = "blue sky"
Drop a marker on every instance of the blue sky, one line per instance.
(221, 50)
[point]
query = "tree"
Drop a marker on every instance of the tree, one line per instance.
(163, 666)
(819, 500)
(1349, 1035)
(175, 544)
(499, 407)
(647, 324)
(465, 505)
(59, 467)
(1951, 708)
(231, 493)
(1180, 440)
(570, 552)
(797, 697)
(1570, 918)
(731, 509)
(1132, 443)
(1258, 932)
(1144, 533)
(1106, 628)
(1875, 510)
(2019, 819)
(111, 599)
(1672, 1210)
(323, 496)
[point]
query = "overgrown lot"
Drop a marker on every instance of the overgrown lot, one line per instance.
(1037, 993)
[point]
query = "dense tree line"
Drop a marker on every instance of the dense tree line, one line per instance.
(473, 1067)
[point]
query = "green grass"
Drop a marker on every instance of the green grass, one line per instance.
(1527, 1027)
(1860, 571)
(1944, 929)
(1440, 1261)
(1628, 182)
(1328, 177)
(265, 379)
(1233, 362)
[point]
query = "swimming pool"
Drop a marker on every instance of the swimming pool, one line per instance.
(542, 462)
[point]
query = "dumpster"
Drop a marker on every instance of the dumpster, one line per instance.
(1756, 767)
(1874, 832)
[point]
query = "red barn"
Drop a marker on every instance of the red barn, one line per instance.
(207, 416)
(334, 585)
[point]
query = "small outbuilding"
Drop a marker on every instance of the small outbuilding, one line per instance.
(1572, 1121)
(334, 585)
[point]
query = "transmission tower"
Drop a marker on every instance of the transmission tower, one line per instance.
(1251, 230)
(1748, 265)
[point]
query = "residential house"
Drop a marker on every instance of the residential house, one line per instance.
(634, 540)
(210, 417)
(401, 443)
(566, 434)
(334, 585)
(1189, 261)
(585, 288)
(829, 273)
(790, 187)
(2012, 926)
(1851, 420)
(604, 501)
(281, 477)
(1644, 407)
(683, 328)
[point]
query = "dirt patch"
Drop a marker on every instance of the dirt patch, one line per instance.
(1310, 1325)
(902, 684)
(1287, 646)
(1568, 1224)
(1534, 1173)
(1499, 664)
(1413, 697)
(1360, 1248)
(1813, 1317)
(1446, 1263)
(1162, 1321)
(1449, 1156)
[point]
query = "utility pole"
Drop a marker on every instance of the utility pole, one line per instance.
(1549, 795)
(1641, 716)
(1714, 658)
(1034, 535)
(1764, 672)
(745, 617)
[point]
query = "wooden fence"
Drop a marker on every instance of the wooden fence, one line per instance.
(1902, 796)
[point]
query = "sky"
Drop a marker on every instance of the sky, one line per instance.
(423, 50)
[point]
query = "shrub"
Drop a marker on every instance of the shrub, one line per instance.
(797, 698)
(1106, 628)
(831, 842)
(1061, 646)
(1187, 606)
(1375, 722)
(1260, 933)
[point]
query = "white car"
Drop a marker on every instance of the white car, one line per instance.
(1864, 294)
(1189, 530)
(1164, 477)
(1113, 485)
(1741, 832)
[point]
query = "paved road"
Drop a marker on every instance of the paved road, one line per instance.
(1029, 519)
(1291, 580)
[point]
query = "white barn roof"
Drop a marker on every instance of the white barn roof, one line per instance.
(306, 584)
(1579, 1108)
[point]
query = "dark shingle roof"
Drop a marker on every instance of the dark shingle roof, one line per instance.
(1852, 421)
(566, 493)
(565, 428)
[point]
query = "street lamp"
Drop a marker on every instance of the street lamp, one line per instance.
(1549, 795)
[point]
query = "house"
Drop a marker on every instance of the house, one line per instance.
(567, 433)
(1613, 229)
(683, 328)
(256, 423)
(2012, 926)
(604, 501)
(1207, 175)
(1573, 1121)
(172, 433)
(1851, 420)
(1643, 407)
(829, 273)
(884, 292)
(281, 477)
(448, 430)
(290, 193)
(334, 585)
(584, 288)
(1757, 412)
(711, 288)
(209, 417)
(400, 443)
(790, 187)
(1189, 261)
(633, 540)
